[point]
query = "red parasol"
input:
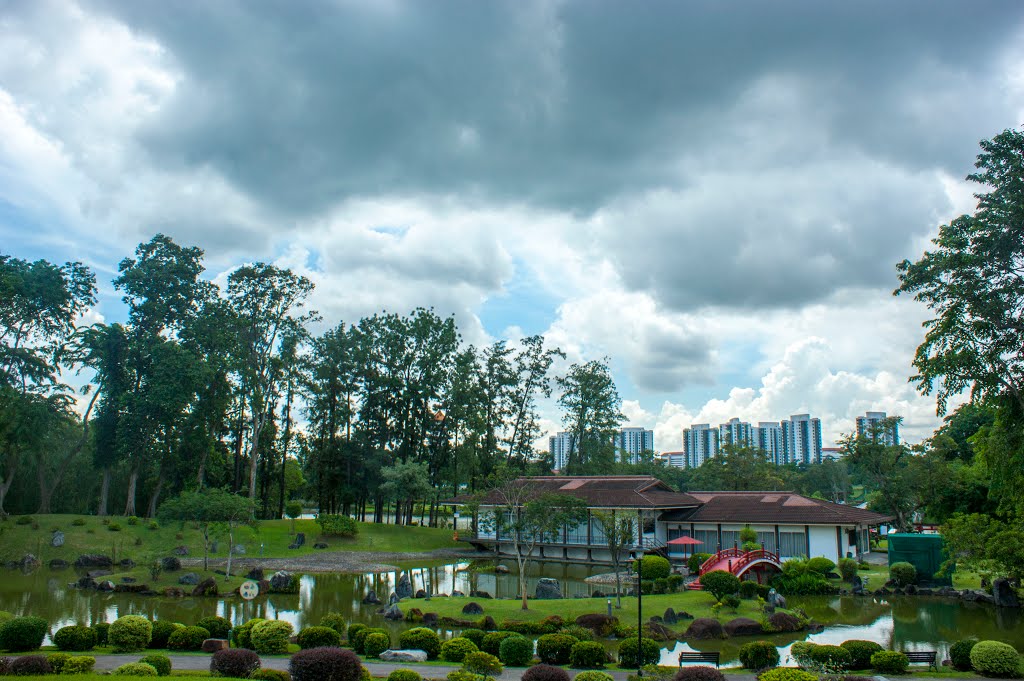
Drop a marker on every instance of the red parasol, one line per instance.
(686, 541)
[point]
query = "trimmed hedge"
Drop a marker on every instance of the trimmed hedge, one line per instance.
(101, 629)
(631, 649)
(30, 665)
(162, 633)
(325, 664)
(135, 669)
(57, 661)
(75, 638)
(359, 638)
(832, 658)
(759, 655)
(516, 651)
(594, 676)
(456, 649)
(334, 620)
(600, 624)
(474, 635)
(801, 652)
(242, 634)
(404, 675)
(161, 663)
(483, 664)
(786, 674)
(587, 655)
(421, 638)
(79, 664)
(960, 654)
(318, 637)
(545, 672)
(890, 662)
(698, 673)
(22, 634)
(130, 633)
(191, 639)
(217, 626)
(576, 631)
(653, 567)
(235, 662)
(555, 648)
(376, 643)
(353, 629)
(904, 574)
(271, 637)
(861, 652)
(821, 565)
(848, 568)
(994, 658)
(492, 641)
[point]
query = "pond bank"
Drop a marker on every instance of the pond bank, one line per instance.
(340, 562)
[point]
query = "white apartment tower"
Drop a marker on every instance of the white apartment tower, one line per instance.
(871, 420)
(768, 437)
(560, 446)
(801, 439)
(736, 432)
(700, 443)
(630, 443)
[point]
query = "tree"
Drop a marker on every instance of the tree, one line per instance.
(974, 283)
(404, 483)
(736, 468)
(592, 413)
(619, 533)
(720, 583)
(984, 545)
(886, 468)
(210, 508)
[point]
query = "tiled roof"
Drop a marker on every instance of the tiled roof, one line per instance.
(778, 507)
(613, 491)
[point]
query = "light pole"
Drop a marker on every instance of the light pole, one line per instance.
(638, 557)
(455, 526)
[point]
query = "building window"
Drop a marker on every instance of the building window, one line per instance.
(767, 541)
(793, 544)
(577, 535)
(708, 540)
(730, 539)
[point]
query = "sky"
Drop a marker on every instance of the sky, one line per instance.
(713, 195)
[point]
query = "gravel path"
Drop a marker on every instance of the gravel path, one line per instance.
(339, 561)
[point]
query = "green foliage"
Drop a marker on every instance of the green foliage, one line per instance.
(404, 675)
(847, 568)
(635, 652)
(748, 535)
(318, 637)
(555, 648)
(516, 651)
(153, 525)
(376, 643)
(995, 658)
(135, 669)
(456, 649)
(293, 509)
(904, 574)
(352, 630)
(861, 652)
(28, 665)
(492, 641)
(652, 567)
(720, 583)
(483, 664)
(829, 657)
(337, 525)
(57, 661)
(587, 655)
(101, 629)
(270, 637)
(528, 628)
(960, 654)
(674, 582)
(801, 652)
(270, 675)
(889, 662)
(335, 621)
(22, 634)
(79, 664)
(798, 579)
(421, 638)
(460, 675)
(114, 527)
(821, 565)
(592, 676)
(217, 626)
(161, 663)
(748, 589)
(474, 635)
(731, 601)
(162, 631)
(235, 662)
(786, 674)
(75, 638)
(695, 561)
(243, 633)
(191, 638)
(758, 655)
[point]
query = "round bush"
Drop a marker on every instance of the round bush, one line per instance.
(699, 673)
(357, 639)
(492, 641)
(421, 638)
(217, 626)
(375, 644)
(79, 664)
(191, 638)
(30, 665)
(456, 649)
(22, 634)
(555, 648)
(821, 565)
(545, 672)
(353, 629)
(243, 633)
(474, 635)
(652, 567)
(75, 638)
(847, 568)
(600, 624)
(270, 675)
(161, 663)
(861, 652)
(335, 621)
(720, 583)
(318, 637)
(325, 664)
(271, 637)
(759, 655)
(57, 661)
(587, 655)
(695, 561)
(130, 633)
(577, 632)
(994, 658)
(483, 664)
(101, 629)
(404, 675)
(594, 676)
(632, 653)
(801, 652)
(786, 674)
(162, 633)
(831, 658)
(135, 669)
(904, 574)
(516, 651)
(748, 589)
(960, 654)
(235, 662)
(890, 662)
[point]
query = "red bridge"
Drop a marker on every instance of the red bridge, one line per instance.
(738, 562)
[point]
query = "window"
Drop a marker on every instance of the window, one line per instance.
(792, 544)
(576, 535)
(766, 540)
(708, 541)
(597, 532)
(730, 538)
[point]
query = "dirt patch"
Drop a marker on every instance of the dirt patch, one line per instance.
(354, 562)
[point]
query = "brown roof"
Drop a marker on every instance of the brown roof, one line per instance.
(778, 507)
(612, 491)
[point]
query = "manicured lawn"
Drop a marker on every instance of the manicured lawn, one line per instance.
(878, 575)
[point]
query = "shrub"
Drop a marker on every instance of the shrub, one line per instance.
(325, 664)
(528, 628)
(130, 633)
(421, 638)
(720, 583)
(545, 672)
(831, 658)
(674, 582)
(786, 674)
(661, 585)
(101, 629)
(352, 630)
(135, 669)
(153, 525)
(555, 648)
(861, 652)
(78, 522)
(191, 638)
(516, 651)
(630, 650)
(358, 639)
(234, 662)
(271, 637)
(748, 589)
(960, 654)
(474, 635)
(653, 567)
(801, 652)
(698, 673)
(587, 655)
(993, 658)
(492, 641)
(75, 638)
(133, 520)
(889, 662)
(904, 574)
(593, 676)
(162, 633)
(602, 625)
(318, 637)
(114, 527)
(243, 633)
(759, 655)
(456, 649)
(695, 561)
(335, 621)
(57, 661)
(404, 675)
(337, 525)
(79, 664)
(847, 568)
(799, 579)
(376, 643)
(460, 675)
(647, 587)
(576, 631)
(821, 565)
(217, 626)
(270, 675)
(161, 663)
(30, 665)
(24, 520)
(731, 601)
(482, 663)
(22, 634)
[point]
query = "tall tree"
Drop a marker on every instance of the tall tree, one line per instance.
(532, 366)
(619, 534)
(593, 410)
(887, 470)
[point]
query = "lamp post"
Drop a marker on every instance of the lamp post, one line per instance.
(455, 526)
(637, 556)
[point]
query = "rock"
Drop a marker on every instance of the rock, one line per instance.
(212, 645)
(57, 539)
(59, 564)
(320, 545)
(256, 574)
(180, 550)
(971, 596)
(299, 541)
(207, 587)
(393, 613)
(404, 586)
(658, 632)
(815, 627)
(472, 608)
(898, 591)
(93, 561)
(882, 592)
(371, 598)
(488, 624)
(420, 594)
(656, 619)
(670, 616)
(128, 580)
(86, 582)
(238, 549)
(126, 563)
(548, 589)
(480, 594)
(393, 598)
(430, 619)
(500, 569)
(857, 585)
(784, 622)
(105, 585)
(775, 599)
(188, 579)
(597, 594)
(743, 626)
(170, 563)
(282, 582)
(457, 594)
(683, 615)
(924, 591)
(704, 628)
(29, 562)
(130, 588)
(414, 615)
(403, 656)
(96, 574)
(1003, 594)
(173, 592)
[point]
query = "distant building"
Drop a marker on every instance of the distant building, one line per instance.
(736, 432)
(630, 443)
(674, 459)
(868, 424)
(560, 446)
(768, 436)
(831, 453)
(801, 439)
(700, 443)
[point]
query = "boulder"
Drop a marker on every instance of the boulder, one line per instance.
(393, 613)
(173, 592)
(86, 582)
(320, 545)
(420, 594)
(130, 588)
(59, 564)
(457, 594)
(488, 624)
(29, 562)
(883, 592)
(472, 608)
(775, 599)
(126, 563)
(170, 563)
(743, 626)
(414, 615)
(857, 585)
(238, 549)
(393, 598)
(180, 550)
(96, 574)
(212, 645)
(704, 628)
(255, 574)
(105, 585)
(57, 539)
(93, 561)
(658, 632)
(1003, 594)
(501, 569)
(480, 594)
(547, 589)
(281, 581)
(683, 615)
(784, 622)
(430, 619)
(670, 616)
(371, 598)
(299, 541)
(404, 586)
(924, 591)
(207, 587)
(188, 579)
(403, 656)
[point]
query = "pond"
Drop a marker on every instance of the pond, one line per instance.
(901, 623)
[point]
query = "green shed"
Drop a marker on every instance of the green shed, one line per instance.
(926, 552)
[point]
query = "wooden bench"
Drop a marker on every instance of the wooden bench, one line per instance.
(699, 657)
(923, 657)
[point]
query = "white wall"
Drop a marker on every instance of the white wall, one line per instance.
(823, 542)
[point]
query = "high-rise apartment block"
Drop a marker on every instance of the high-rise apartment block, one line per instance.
(674, 459)
(801, 439)
(560, 446)
(630, 443)
(736, 432)
(768, 437)
(869, 425)
(700, 442)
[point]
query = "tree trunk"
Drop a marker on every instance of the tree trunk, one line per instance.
(284, 449)
(154, 499)
(104, 493)
(231, 550)
(133, 479)
(45, 491)
(5, 485)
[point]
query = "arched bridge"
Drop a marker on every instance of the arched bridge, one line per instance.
(738, 562)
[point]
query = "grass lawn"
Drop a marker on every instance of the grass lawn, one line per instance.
(878, 575)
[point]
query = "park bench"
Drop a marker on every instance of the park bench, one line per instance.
(923, 657)
(712, 657)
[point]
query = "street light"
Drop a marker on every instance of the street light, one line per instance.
(637, 556)
(455, 525)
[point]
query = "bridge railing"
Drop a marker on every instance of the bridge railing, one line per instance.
(742, 559)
